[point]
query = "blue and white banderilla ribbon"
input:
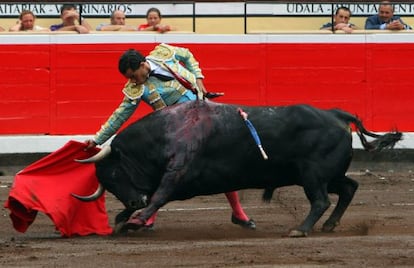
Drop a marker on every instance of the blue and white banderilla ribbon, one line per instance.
(253, 132)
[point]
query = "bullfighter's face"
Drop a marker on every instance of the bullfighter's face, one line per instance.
(140, 75)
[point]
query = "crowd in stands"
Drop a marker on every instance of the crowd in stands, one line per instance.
(72, 21)
(384, 20)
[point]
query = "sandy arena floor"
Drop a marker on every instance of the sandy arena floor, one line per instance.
(377, 230)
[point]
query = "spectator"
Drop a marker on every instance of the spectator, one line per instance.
(117, 23)
(385, 19)
(26, 22)
(341, 21)
(151, 79)
(154, 22)
(69, 16)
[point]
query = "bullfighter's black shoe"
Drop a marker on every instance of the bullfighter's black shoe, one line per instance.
(148, 228)
(250, 224)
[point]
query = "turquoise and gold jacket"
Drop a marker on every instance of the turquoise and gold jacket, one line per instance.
(158, 94)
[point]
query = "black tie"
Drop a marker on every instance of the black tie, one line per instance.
(161, 76)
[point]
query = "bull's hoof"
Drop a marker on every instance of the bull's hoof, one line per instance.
(134, 224)
(329, 227)
(120, 228)
(297, 233)
(250, 224)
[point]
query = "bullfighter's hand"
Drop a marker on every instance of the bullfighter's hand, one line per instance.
(212, 95)
(201, 86)
(90, 144)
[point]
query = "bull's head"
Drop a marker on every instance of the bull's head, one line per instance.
(113, 177)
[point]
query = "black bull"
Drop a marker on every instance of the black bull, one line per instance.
(203, 148)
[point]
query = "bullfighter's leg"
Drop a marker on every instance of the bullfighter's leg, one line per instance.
(345, 189)
(238, 215)
(160, 197)
(150, 222)
(319, 200)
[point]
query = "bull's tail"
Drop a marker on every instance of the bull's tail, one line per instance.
(387, 140)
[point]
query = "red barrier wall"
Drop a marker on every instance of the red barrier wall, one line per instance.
(71, 87)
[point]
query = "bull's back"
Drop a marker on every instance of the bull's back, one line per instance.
(200, 123)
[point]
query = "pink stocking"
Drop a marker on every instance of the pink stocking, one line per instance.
(238, 211)
(151, 219)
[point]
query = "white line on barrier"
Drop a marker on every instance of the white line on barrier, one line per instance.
(403, 204)
(212, 208)
(251, 207)
(10, 144)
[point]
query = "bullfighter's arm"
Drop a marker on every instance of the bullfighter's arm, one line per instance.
(185, 56)
(115, 121)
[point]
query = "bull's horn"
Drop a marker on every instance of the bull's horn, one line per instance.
(106, 150)
(91, 197)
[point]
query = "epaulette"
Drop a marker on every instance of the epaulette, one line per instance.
(162, 52)
(133, 91)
